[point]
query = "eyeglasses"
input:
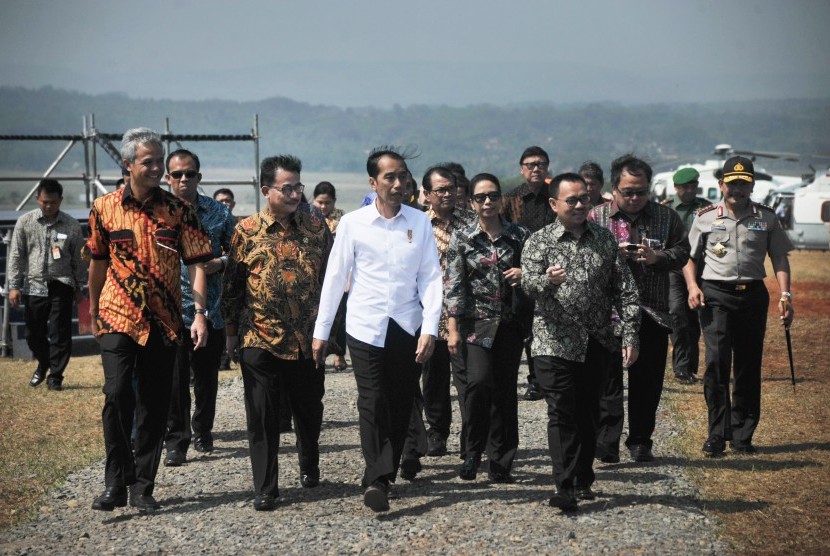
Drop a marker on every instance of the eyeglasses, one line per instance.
(628, 193)
(189, 174)
(289, 189)
(532, 165)
(443, 191)
(572, 201)
(481, 197)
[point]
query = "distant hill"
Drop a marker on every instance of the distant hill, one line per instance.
(481, 137)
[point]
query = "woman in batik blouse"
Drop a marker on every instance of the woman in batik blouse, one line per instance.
(325, 198)
(489, 317)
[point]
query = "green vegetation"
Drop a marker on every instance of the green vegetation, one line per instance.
(482, 137)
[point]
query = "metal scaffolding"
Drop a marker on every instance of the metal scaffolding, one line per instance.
(92, 139)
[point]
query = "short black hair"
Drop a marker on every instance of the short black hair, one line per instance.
(553, 187)
(49, 186)
(534, 151)
(223, 191)
(484, 176)
(441, 171)
(182, 153)
(268, 168)
(591, 169)
(379, 152)
(324, 188)
(631, 164)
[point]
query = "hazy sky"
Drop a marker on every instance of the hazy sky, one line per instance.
(381, 52)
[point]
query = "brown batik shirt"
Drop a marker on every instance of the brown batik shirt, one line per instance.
(143, 243)
(272, 282)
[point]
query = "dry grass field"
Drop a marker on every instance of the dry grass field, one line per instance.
(776, 501)
(771, 503)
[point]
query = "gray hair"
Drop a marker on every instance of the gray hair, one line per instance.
(135, 137)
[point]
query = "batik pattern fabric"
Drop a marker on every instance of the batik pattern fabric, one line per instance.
(272, 283)
(218, 223)
(475, 290)
(333, 219)
(671, 242)
(528, 208)
(144, 244)
(442, 232)
(597, 280)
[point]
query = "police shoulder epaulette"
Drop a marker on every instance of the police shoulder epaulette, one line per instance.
(706, 209)
(765, 207)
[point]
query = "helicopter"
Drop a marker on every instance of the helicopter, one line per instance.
(662, 186)
(802, 204)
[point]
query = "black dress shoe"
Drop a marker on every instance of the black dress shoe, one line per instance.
(410, 467)
(501, 477)
(641, 453)
(437, 445)
(532, 393)
(204, 445)
(112, 497)
(469, 468)
(685, 378)
(144, 503)
(37, 377)
(714, 447)
(376, 497)
(584, 493)
(174, 458)
(744, 448)
(310, 478)
(610, 458)
(265, 503)
(564, 499)
(54, 385)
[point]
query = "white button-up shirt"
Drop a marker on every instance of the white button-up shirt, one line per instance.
(394, 274)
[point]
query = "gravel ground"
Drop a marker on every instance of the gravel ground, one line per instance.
(206, 503)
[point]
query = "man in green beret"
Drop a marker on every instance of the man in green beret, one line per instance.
(686, 331)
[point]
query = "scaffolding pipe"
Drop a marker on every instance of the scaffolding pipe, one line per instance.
(255, 134)
(4, 333)
(46, 174)
(86, 161)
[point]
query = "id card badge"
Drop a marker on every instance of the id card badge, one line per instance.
(56, 252)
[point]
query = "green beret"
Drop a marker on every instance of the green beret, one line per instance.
(685, 175)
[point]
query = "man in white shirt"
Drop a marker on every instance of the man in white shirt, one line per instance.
(392, 314)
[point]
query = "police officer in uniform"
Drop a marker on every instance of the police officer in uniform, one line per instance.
(730, 241)
(685, 326)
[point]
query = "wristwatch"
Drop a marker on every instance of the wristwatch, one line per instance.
(202, 312)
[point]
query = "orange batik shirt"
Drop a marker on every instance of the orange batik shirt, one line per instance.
(144, 244)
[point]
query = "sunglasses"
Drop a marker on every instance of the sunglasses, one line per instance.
(189, 174)
(572, 201)
(481, 197)
(532, 165)
(627, 193)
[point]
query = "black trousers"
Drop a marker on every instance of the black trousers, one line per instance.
(645, 386)
(734, 325)
(49, 329)
(204, 364)
(263, 375)
(387, 379)
(572, 391)
(436, 387)
(149, 400)
(686, 334)
(490, 401)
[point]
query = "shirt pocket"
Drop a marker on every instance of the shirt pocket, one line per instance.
(718, 237)
(168, 240)
(122, 241)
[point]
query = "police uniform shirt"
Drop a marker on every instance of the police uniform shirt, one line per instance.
(734, 250)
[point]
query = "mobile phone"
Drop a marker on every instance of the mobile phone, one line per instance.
(632, 247)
